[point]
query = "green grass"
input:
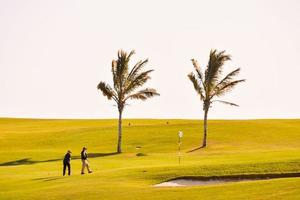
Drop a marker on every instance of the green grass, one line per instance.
(31, 153)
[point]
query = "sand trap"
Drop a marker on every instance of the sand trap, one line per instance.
(188, 182)
(198, 181)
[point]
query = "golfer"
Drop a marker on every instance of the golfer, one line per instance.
(67, 163)
(84, 160)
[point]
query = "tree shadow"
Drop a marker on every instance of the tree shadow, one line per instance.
(96, 155)
(26, 161)
(29, 161)
(45, 179)
(198, 148)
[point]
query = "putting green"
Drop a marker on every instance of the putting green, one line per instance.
(31, 154)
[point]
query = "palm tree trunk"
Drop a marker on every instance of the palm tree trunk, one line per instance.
(119, 149)
(204, 144)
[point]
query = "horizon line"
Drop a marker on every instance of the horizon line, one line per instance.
(33, 118)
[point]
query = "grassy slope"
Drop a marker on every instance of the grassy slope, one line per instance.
(235, 147)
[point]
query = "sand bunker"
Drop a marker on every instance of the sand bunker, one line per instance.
(187, 182)
(198, 181)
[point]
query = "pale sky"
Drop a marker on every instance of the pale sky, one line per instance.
(54, 53)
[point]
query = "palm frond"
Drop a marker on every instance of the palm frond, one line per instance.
(125, 82)
(130, 54)
(107, 91)
(225, 102)
(197, 85)
(211, 84)
(230, 76)
(143, 94)
(139, 80)
(228, 87)
(198, 70)
(115, 75)
(122, 67)
(214, 68)
(227, 79)
(135, 71)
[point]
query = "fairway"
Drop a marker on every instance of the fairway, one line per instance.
(31, 153)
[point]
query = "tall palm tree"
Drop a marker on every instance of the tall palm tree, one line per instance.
(125, 85)
(210, 84)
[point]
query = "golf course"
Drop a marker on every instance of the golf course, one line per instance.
(32, 150)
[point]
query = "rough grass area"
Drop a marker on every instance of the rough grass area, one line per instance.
(31, 154)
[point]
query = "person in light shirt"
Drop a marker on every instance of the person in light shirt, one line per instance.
(84, 160)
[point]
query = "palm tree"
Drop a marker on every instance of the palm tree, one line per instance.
(125, 85)
(210, 85)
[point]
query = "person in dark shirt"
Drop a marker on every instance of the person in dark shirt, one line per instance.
(67, 163)
(84, 160)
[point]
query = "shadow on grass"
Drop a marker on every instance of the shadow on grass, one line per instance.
(28, 161)
(52, 178)
(198, 148)
(96, 155)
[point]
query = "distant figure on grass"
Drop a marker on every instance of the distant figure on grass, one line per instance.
(85, 163)
(67, 163)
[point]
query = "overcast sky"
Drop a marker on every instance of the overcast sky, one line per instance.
(54, 53)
